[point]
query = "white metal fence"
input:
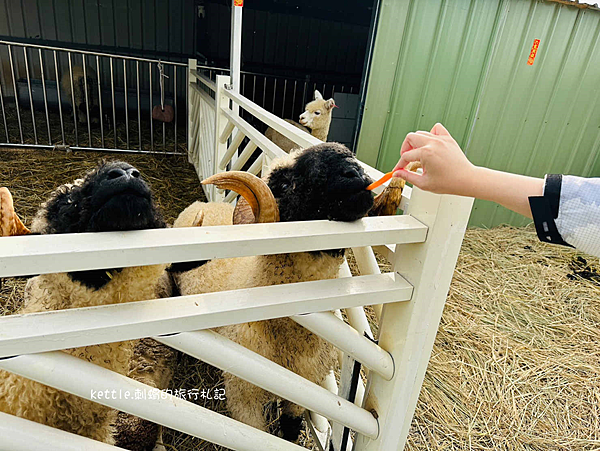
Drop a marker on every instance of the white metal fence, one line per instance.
(422, 245)
(45, 102)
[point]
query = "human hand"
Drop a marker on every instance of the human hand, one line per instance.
(446, 169)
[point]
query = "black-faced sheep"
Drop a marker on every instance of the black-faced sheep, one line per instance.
(111, 197)
(79, 93)
(322, 182)
(315, 120)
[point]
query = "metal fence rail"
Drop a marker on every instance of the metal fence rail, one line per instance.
(58, 97)
(285, 97)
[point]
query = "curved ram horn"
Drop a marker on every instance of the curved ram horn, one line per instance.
(10, 224)
(254, 190)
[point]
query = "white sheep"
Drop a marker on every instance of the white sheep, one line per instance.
(315, 120)
(112, 197)
(322, 182)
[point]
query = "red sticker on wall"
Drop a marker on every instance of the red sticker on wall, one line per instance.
(238, 2)
(534, 49)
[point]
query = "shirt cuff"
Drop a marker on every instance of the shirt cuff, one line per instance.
(544, 210)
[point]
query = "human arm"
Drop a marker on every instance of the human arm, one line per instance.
(446, 170)
(564, 209)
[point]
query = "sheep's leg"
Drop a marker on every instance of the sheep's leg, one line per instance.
(246, 401)
(290, 421)
(159, 441)
(152, 364)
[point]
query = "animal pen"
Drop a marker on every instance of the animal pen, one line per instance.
(115, 99)
(422, 244)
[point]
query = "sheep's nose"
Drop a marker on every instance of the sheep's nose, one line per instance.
(351, 174)
(116, 173)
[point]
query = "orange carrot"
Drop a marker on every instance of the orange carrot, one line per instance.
(381, 181)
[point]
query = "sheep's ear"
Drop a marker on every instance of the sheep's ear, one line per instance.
(242, 214)
(330, 104)
(318, 95)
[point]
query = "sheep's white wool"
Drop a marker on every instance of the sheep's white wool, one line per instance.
(37, 402)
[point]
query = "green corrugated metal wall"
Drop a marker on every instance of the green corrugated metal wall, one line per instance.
(464, 63)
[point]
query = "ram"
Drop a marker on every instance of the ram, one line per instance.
(322, 182)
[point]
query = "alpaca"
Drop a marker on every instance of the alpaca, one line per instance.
(315, 120)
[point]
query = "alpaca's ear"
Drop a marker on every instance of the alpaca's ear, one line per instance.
(318, 95)
(330, 104)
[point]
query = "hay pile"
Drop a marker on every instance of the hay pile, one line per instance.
(515, 366)
(516, 363)
(33, 175)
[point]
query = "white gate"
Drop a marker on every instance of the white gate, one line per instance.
(422, 245)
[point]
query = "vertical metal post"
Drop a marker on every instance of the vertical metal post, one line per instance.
(45, 96)
(254, 89)
(87, 99)
(100, 101)
(304, 96)
(126, 101)
(235, 55)
(161, 82)
(112, 87)
(14, 80)
(294, 100)
(151, 120)
(283, 106)
(192, 67)
(30, 93)
(175, 105)
(74, 106)
(139, 109)
(60, 112)
(3, 111)
(408, 329)
(221, 101)
(274, 94)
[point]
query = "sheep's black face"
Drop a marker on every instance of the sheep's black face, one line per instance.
(112, 197)
(326, 182)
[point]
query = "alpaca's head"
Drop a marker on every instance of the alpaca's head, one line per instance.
(317, 115)
(322, 182)
(111, 197)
